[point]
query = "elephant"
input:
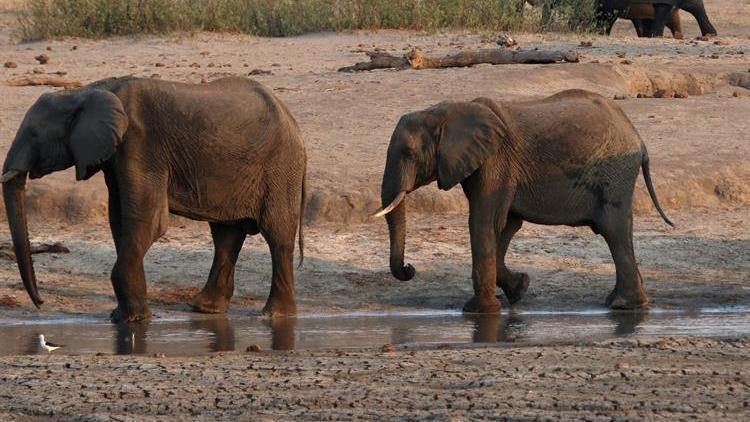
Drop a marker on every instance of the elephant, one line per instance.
(569, 159)
(648, 16)
(227, 152)
(664, 13)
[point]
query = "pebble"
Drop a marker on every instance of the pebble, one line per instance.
(42, 58)
(10, 64)
(253, 348)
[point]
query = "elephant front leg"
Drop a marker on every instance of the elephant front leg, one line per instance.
(217, 293)
(129, 282)
(482, 226)
(513, 284)
(662, 13)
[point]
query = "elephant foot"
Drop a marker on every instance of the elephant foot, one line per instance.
(130, 314)
(209, 303)
(514, 286)
(280, 308)
(618, 300)
(478, 305)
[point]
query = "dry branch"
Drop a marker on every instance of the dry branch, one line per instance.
(44, 80)
(417, 60)
(6, 250)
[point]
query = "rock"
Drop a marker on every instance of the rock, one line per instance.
(75, 47)
(159, 64)
(586, 44)
(38, 70)
(194, 65)
(626, 62)
(681, 94)
(42, 58)
(663, 93)
(620, 97)
(159, 355)
(703, 38)
(255, 72)
(253, 348)
(622, 365)
(10, 301)
(505, 40)
(10, 64)
(387, 348)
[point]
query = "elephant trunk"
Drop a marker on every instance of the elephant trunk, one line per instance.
(14, 195)
(393, 195)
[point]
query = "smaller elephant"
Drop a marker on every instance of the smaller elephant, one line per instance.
(569, 159)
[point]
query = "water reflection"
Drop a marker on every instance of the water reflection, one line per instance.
(218, 333)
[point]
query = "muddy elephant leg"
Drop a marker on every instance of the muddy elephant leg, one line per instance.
(483, 219)
(280, 236)
(617, 228)
(661, 15)
(675, 25)
(141, 223)
(216, 294)
(514, 284)
(698, 10)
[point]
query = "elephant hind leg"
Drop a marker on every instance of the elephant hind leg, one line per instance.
(216, 294)
(279, 229)
(513, 284)
(616, 225)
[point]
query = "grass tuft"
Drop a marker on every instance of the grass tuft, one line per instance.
(43, 19)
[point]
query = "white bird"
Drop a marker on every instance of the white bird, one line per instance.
(47, 346)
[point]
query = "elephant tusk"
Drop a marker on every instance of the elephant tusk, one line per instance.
(400, 197)
(9, 175)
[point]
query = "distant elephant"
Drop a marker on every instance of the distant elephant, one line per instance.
(227, 152)
(571, 159)
(664, 14)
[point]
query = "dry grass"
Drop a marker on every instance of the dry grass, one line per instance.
(41, 19)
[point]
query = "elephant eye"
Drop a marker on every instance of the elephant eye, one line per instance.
(408, 153)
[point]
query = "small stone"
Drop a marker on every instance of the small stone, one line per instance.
(49, 48)
(204, 53)
(194, 65)
(681, 95)
(663, 93)
(159, 64)
(594, 61)
(42, 58)
(159, 355)
(720, 42)
(621, 97)
(253, 348)
(736, 94)
(505, 40)
(10, 64)
(61, 73)
(387, 348)
(255, 72)
(444, 346)
(75, 47)
(626, 62)
(702, 38)
(586, 44)
(38, 70)
(622, 365)
(620, 54)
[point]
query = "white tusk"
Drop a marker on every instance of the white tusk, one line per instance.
(400, 197)
(9, 175)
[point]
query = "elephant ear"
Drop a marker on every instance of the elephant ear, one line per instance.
(97, 131)
(470, 134)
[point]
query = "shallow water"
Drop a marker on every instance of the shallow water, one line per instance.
(197, 336)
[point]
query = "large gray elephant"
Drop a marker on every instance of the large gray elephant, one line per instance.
(227, 152)
(572, 159)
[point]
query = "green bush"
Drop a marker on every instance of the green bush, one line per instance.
(41, 19)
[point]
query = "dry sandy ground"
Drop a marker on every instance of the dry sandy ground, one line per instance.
(700, 160)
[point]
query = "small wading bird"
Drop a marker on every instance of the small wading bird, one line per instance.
(49, 347)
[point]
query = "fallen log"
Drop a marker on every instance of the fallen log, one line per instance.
(6, 250)
(44, 80)
(416, 59)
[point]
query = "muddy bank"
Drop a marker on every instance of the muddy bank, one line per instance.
(628, 379)
(720, 186)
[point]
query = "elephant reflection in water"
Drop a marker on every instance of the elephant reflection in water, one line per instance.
(132, 338)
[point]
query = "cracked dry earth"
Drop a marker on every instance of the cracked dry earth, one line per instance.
(668, 379)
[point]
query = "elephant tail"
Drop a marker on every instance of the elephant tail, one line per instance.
(303, 205)
(650, 185)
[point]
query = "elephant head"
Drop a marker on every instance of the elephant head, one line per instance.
(81, 127)
(447, 143)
